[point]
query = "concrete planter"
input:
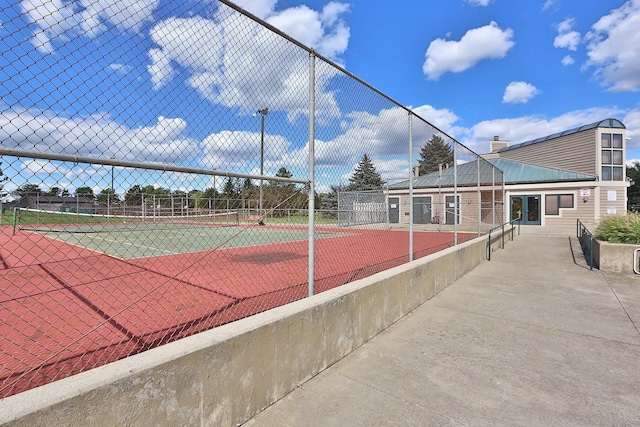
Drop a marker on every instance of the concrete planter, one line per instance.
(615, 256)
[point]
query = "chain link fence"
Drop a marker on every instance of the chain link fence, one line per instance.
(171, 167)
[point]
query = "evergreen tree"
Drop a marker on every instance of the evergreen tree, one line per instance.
(247, 184)
(276, 192)
(330, 201)
(232, 188)
(433, 154)
(365, 177)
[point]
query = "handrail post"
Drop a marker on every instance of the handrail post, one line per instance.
(590, 251)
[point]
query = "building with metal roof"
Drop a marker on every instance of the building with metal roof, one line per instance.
(549, 181)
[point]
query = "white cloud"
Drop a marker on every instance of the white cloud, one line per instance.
(519, 93)
(253, 68)
(488, 42)
(261, 8)
(121, 68)
(61, 20)
(521, 129)
(234, 149)
(567, 60)
(383, 136)
(95, 136)
(38, 166)
(566, 25)
(443, 119)
(567, 38)
(324, 31)
(632, 121)
(483, 3)
(611, 48)
(547, 5)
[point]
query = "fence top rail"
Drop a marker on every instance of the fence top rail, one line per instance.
(164, 167)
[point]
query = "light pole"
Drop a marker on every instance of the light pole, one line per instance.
(263, 112)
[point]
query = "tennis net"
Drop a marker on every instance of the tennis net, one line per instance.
(47, 221)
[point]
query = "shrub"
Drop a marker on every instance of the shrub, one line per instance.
(620, 229)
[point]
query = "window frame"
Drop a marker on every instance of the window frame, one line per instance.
(611, 156)
(558, 205)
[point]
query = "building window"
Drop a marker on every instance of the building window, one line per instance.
(612, 158)
(554, 202)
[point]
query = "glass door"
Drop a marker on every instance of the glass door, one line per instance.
(422, 210)
(526, 208)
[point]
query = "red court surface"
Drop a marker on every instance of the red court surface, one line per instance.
(65, 309)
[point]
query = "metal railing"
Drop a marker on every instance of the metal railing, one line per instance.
(502, 233)
(585, 237)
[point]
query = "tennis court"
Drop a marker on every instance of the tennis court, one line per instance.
(74, 299)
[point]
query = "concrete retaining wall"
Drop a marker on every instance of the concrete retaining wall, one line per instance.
(614, 257)
(225, 376)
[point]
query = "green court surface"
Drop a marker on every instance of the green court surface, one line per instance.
(153, 241)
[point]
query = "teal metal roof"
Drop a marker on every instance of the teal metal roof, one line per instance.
(512, 173)
(467, 175)
(607, 123)
(524, 173)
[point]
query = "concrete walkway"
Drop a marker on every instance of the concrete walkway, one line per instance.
(530, 338)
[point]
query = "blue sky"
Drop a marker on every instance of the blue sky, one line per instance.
(519, 70)
(128, 79)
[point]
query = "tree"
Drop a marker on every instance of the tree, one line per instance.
(633, 194)
(433, 154)
(53, 191)
(247, 184)
(29, 190)
(85, 192)
(365, 177)
(132, 197)
(106, 195)
(284, 195)
(330, 200)
(232, 188)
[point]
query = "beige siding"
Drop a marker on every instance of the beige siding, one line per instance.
(468, 208)
(613, 207)
(584, 211)
(575, 152)
(404, 209)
